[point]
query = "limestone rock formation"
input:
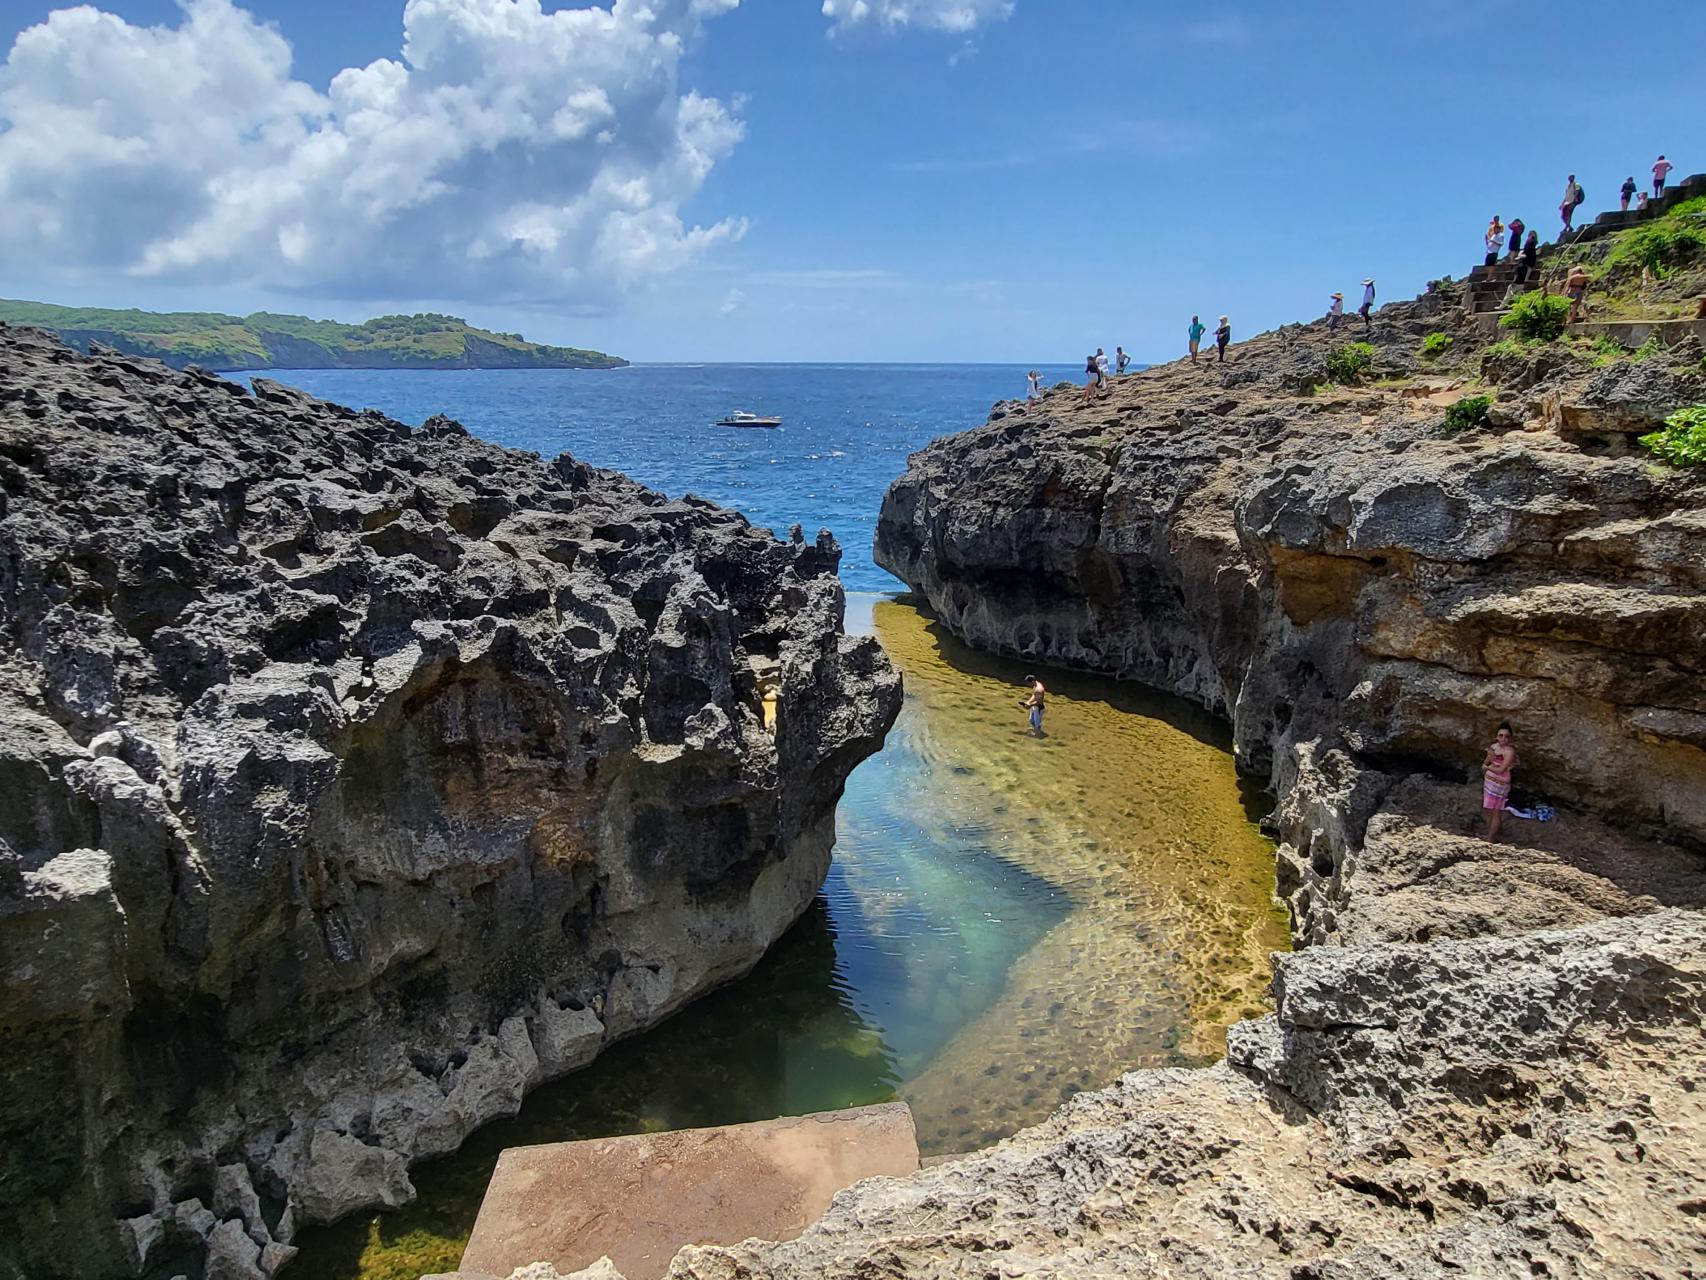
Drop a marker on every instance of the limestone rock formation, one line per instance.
(354, 780)
(1338, 564)
(1459, 1108)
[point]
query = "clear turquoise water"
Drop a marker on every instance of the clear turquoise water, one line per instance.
(846, 429)
(1007, 921)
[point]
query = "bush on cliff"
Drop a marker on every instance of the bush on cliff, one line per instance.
(1435, 345)
(1670, 241)
(1682, 443)
(1347, 364)
(1468, 414)
(1537, 316)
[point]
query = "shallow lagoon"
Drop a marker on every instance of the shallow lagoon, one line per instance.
(1008, 921)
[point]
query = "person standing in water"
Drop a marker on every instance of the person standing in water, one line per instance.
(1034, 703)
(1496, 768)
(1222, 336)
(1195, 332)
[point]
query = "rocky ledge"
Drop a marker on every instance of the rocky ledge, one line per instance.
(353, 780)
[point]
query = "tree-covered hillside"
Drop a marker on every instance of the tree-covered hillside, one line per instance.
(266, 341)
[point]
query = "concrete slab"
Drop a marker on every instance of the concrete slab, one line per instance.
(640, 1198)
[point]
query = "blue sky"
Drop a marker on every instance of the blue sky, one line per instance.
(973, 181)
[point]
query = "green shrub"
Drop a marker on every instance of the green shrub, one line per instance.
(1537, 316)
(1435, 345)
(1468, 413)
(1676, 238)
(1648, 349)
(1682, 443)
(1347, 364)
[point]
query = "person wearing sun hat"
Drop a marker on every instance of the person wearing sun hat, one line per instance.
(1367, 303)
(1335, 312)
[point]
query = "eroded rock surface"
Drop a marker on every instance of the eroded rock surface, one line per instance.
(354, 780)
(1338, 564)
(1460, 1108)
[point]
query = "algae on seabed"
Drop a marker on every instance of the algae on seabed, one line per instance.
(1131, 806)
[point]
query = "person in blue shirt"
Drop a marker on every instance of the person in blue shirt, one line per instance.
(1196, 333)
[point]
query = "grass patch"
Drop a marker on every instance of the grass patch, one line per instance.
(1510, 347)
(1537, 316)
(1435, 345)
(1648, 349)
(1682, 442)
(1468, 414)
(1664, 243)
(1347, 364)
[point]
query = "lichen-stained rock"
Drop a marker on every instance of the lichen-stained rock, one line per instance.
(1337, 565)
(354, 780)
(1497, 1107)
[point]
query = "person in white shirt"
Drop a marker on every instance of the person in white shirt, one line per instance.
(1034, 392)
(1121, 359)
(1660, 170)
(1335, 312)
(1367, 304)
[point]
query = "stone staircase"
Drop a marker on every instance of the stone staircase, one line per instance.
(1486, 288)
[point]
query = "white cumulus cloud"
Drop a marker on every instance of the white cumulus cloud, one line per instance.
(506, 153)
(938, 15)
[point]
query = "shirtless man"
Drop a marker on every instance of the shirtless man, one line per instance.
(1035, 704)
(1576, 290)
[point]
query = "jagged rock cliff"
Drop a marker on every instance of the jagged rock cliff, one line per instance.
(353, 780)
(1335, 563)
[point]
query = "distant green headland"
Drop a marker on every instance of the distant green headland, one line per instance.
(268, 341)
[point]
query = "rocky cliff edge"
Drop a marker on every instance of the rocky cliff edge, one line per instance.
(355, 779)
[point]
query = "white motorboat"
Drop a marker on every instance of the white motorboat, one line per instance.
(740, 418)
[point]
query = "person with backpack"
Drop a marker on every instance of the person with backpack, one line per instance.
(1660, 171)
(1628, 191)
(1573, 198)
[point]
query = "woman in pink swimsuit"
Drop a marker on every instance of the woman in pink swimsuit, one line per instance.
(1496, 769)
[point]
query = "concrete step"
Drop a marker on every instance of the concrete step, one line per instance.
(639, 1199)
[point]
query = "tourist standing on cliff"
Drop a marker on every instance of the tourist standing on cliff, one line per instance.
(1494, 240)
(1628, 191)
(1034, 704)
(1335, 312)
(1367, 304)
(1195, 332)
(1122, 358)
(1573, 196)
(1222, 335)
(1496, 768)
(1033, 391)
(1092, 379)
(1660, 171)
(1530, 257)
(1516, 229)
(1101, 365)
